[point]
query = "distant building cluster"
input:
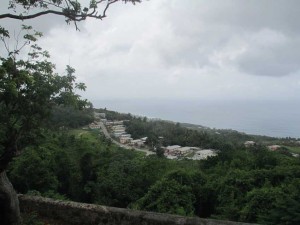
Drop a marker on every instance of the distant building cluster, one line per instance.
(272, 148)
(118, 130)
(195, 153)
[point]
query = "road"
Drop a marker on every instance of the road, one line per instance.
(107, 135)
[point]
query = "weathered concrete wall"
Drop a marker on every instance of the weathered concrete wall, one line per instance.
(74, 213)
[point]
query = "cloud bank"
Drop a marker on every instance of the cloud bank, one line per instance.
(184, 49)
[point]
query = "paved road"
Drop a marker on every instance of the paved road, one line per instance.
(107, 135)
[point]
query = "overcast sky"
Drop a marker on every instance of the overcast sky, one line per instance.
(174, 49)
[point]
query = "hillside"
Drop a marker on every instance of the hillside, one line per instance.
(239, 184)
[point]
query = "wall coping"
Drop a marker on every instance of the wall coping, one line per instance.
(75, 213)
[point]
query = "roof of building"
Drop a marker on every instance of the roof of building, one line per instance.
(206, 151)
(184, 148)
(173, 147)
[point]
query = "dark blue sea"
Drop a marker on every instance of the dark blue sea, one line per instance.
(271, 118)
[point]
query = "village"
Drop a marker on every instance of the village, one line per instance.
(273, 148)
(116, 131)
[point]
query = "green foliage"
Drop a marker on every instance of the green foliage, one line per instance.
(31, 219)
(259, 202)
(239, 185)
(4, 33)
(28, 92)
(168, 196)
(31, 171)
(294, 149)
(70, 117)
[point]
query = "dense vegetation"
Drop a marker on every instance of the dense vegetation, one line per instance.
(70, 117)
(252, 185)
(31, 92)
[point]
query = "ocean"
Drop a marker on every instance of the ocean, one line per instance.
(271, 118)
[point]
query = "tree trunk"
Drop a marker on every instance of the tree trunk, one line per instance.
(9, 203)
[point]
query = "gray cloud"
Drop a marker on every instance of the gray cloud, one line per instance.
(278, 59)
(183, 49)
(210, 28)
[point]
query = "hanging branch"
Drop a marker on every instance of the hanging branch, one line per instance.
(72, 10)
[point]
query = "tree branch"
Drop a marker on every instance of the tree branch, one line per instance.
(21, 17)
(74, 17)
(70, 13)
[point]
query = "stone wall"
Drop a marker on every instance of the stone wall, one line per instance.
(74, 213)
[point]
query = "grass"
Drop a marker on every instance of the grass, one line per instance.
(91, 135)
(294, 149)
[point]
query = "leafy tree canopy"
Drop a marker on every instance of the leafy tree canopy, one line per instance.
(28, 91)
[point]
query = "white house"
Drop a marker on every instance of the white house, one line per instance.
(183, 150)
(137, 142)
(125, 140)
(273, 147)
(94, 126)
(172, 148)
(144, 138)
(118, 133)
(203, 154)
(126, 135)
(116, 127)
(249, 143)
(118, 122)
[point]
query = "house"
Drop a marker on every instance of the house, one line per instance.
(118, 122)
(137, 142)
(144, 138)
(273, 147)
(118, 133)
(171, 150)
(125, 140)
(109, 123)
(94, 126)
(126, 135)
(204, 154)
(118, 128)
(183, 150)
(249, 144)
